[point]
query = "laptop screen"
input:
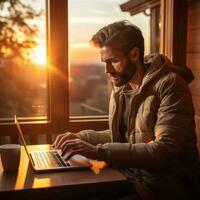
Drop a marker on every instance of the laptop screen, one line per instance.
(21, 135)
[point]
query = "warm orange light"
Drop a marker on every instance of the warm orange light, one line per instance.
(41, 182)
(83, 52)
(39, 56)
(97, 166)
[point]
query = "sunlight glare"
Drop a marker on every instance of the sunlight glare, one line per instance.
(40, 56)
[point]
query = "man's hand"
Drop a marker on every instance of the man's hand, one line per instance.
(60, 139)
(78, 146)
(70, 144)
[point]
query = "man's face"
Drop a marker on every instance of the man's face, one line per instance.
(118, 66)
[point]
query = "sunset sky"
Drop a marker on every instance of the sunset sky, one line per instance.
(88, 16)
(85, 18)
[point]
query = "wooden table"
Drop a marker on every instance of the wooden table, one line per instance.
(76, 184)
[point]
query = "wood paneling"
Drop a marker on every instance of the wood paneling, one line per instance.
(193, 61)
(193, 48)
(193, 40)
(193, 17)
(193, 57)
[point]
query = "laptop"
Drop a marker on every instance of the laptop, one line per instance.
(51, 160)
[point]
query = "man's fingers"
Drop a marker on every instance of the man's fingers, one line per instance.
(78, 146)
(55, 143)
(70, 145)
(64, 138)
(66, 142)
(60, 142)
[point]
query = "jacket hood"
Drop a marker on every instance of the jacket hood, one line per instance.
(158, 64)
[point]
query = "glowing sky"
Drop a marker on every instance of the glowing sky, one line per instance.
(85, 18)
(88, 16)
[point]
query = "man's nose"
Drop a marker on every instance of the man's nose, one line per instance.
(109, 68)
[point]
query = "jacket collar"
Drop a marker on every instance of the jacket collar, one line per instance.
(157, 65)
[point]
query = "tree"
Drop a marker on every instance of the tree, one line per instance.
(17, 35)
(19, 90)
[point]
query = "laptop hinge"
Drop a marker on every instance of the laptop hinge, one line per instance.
(32, 159)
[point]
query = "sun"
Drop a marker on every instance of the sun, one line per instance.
(39, 56)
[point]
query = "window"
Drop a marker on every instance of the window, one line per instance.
(50, 110)
(23, 69)
(151, 9)
(89, 88)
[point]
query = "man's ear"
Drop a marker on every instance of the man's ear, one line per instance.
(134, 55)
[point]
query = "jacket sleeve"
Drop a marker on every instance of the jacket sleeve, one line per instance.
(175, 117)
(95, 137)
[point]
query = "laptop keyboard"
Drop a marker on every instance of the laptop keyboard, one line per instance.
(49, 159)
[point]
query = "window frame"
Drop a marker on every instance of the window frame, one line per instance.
(174, 31)
(58, 119)
(58, 89)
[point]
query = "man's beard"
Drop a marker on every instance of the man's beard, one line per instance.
(122, 78)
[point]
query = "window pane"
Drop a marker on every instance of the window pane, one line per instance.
(89, 87)
(23, 68)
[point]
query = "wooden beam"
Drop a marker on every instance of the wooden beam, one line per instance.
(134, 7)
(180, 31)
(155, 31)
(174, 30)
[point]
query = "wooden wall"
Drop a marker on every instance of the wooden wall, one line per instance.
(193, 56)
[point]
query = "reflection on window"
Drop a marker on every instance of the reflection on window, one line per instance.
(23, 68)
(89, 87)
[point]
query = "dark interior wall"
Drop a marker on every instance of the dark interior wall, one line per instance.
(193, 56)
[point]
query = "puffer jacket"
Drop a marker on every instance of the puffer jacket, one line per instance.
(161, 149)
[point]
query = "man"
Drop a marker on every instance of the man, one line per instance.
(151, 118)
